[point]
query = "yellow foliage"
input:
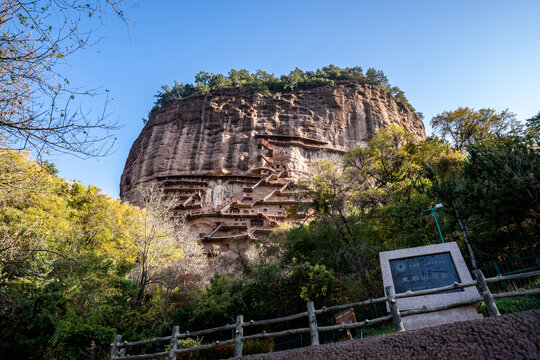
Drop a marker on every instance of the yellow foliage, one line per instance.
(57, 215)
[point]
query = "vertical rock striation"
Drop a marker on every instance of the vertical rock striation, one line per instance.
(231, 158)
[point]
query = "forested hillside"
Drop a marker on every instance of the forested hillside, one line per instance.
(76, 266)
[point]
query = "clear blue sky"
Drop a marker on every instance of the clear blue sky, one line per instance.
(442, 54)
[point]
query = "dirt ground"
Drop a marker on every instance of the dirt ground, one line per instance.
(513, 337)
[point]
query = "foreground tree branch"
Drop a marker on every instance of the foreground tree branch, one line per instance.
(38, 109)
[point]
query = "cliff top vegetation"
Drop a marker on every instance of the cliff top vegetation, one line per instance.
(266, 83)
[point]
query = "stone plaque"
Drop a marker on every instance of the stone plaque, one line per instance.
(427, 267)
(424, 272)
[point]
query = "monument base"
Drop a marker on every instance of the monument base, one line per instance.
(461, 313)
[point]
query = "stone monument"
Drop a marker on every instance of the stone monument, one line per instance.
(428, 267)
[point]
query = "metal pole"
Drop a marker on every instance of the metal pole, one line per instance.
(473, 259)
(436, 222)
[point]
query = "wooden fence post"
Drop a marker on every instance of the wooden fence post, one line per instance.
(174, 342)
(114, 347)
(313, 323)
(483, 289)
(396, 316)
(238, 333)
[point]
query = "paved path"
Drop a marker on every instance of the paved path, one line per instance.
(509, 337)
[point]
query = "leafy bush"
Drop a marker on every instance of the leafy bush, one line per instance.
(64, 265)
(249, 347)
(189, 342)
(374, 331)
(257, 346)
(317, 283)
(514, 304)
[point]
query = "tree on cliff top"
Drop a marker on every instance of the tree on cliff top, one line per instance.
(265, 83)
(37, 104)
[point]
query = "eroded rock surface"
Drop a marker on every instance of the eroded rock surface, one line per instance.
(231, 158)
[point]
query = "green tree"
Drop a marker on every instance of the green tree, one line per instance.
(64, 265)
(376, 77)
(318, 284)
(382, 169)
(373, 204)
(214, 305)
(294, 78)
(464, 125)
(533, 128)
(497, 193)
(265, 83)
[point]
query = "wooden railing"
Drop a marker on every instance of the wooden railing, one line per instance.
(119, 348)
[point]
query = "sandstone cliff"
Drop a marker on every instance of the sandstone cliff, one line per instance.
(231, 159)
(217, 134)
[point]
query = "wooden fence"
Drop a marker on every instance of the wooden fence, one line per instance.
(119, 348)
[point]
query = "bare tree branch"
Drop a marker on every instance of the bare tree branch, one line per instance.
(37, 104)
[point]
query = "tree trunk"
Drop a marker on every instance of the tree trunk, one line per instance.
(473, 259)
(142, 288)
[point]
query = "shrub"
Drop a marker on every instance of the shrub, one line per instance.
(249, 347)
(514, 304)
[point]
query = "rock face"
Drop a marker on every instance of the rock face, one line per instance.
(231, 159)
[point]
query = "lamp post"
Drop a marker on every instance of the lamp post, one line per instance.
(437, 206)
(465, 237)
